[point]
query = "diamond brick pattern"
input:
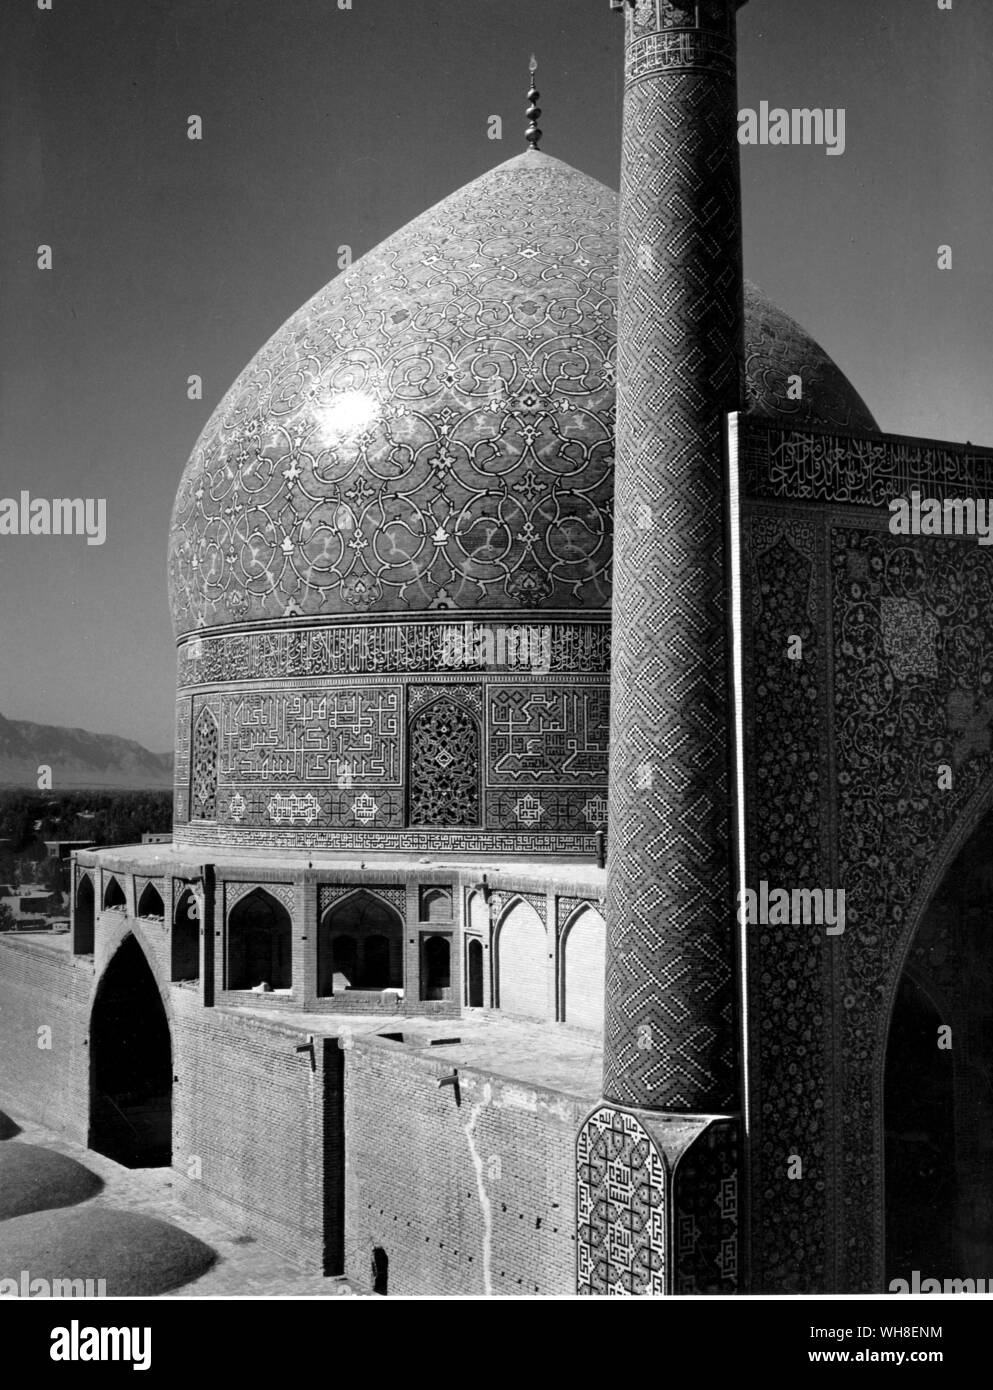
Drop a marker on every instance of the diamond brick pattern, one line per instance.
(668, 1029)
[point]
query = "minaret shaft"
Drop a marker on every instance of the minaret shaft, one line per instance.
(669, 1039)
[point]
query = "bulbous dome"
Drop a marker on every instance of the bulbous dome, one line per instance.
(434, 429)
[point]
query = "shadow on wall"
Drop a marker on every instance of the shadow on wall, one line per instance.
(380, 1271)
(8, 1127)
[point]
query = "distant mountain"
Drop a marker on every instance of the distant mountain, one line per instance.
(77, 758)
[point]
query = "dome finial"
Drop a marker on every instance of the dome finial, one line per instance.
(533, 135)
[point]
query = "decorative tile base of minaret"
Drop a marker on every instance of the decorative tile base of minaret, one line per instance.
(656, 1204)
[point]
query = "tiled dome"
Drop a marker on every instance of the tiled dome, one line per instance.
(434, 429)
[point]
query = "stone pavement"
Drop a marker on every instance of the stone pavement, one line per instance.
(244, 1269)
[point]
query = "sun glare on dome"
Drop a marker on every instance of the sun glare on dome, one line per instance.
(345, 414)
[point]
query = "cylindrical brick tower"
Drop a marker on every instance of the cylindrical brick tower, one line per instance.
(669, 1042)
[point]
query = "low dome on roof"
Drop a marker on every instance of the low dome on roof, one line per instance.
(776, 348)
(434, 429)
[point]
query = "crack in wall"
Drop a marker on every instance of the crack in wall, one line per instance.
(484, 1200)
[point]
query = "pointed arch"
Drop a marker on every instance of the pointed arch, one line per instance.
(113, 895)
(259, 943)
(583, 969)
(150, 903)
(479, 914)
(359, 945)
(84, 916)
(130, 1063)
(478, 932)
(934, 1150)
(185, 953)
(436, 903)
(521, 969)
(475, 974)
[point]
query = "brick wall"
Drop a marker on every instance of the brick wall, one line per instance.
(44, 988)
(251, 1117)
(464, 1199)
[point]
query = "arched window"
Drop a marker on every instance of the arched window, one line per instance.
(474, 984)
(522, 964)
(479, 915)
(186, 938)
(444, 766)
(436, 968)
(359, 946)
(584, 965)
(260, 943)
(113, 895)
(203, 796)
(436, 904)
(150, 903)
(83, 915)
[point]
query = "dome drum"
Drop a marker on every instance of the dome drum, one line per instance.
(469, 737)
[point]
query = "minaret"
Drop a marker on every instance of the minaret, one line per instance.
(669, 1041)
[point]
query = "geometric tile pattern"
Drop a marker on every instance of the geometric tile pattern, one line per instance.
(317, 756)
(789, 972)
(432, 430)
(897, 666)
(429, 440)
(500, 904)
(567, 908)
(234, 892)
(705, 1197)
(204, 767)
(897, 831)
(778, 349)
(181, 760)
(333, 892)
(668, 1034)
(620, 1208)
(909, 638)
(444, 770)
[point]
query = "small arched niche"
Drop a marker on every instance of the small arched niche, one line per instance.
(260, 943)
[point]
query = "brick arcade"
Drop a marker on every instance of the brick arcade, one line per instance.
(378, 1002)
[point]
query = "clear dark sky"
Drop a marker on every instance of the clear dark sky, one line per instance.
(324, 127)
